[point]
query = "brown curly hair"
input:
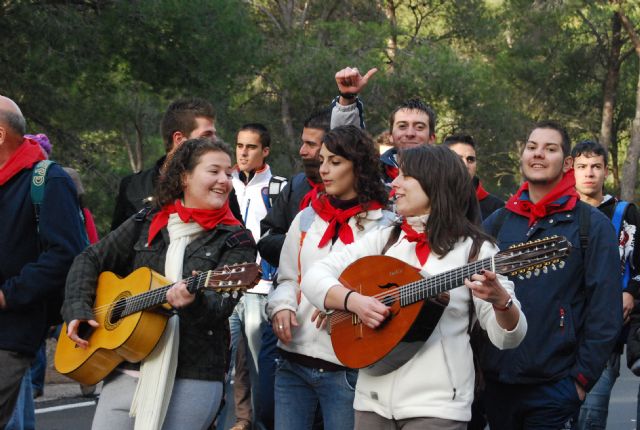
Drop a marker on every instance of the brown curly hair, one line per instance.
(182, 161)
(357, 146)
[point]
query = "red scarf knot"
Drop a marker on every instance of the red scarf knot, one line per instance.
(338, 218)
(561, 198)
(207, 218)
(421, 240)
(24, 157)
(312, 195)
(481, 193)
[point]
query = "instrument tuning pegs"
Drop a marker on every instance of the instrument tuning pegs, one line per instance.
(536, 272)
(561, 264)
(545, 269)
(521, 277)
(554, 267)
(234, 294)
(528, 274)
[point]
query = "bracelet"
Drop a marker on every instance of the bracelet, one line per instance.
(346, 298)
(504, 308)
(349, 96)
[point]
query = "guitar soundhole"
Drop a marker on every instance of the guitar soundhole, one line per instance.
(117, 311)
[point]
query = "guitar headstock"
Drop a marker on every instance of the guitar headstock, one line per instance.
(532, 258)
(234, 278)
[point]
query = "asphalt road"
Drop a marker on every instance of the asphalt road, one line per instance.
(64, 408)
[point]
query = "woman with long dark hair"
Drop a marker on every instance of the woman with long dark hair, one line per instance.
(309, 372)
(439, 231)
(179, 385)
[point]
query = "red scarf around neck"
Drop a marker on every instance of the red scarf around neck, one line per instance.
(27, 154)
(207, 218)
(422, 241)
(481, 193)
(312, 195)
(391, 171)
(549, 204)
(338, 218)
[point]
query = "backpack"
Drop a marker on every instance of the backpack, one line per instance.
(617, 218)
(53, 303)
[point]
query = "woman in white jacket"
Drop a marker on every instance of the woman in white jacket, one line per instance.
(434, 389)
(309, 372)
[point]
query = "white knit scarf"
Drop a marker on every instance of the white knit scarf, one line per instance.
(158, 370)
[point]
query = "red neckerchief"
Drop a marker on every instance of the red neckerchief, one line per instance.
(562, 198)
(422, 242)
(207, 218)
(27, 154)
(312, 195)
(481, 193)
(391, 171)
(338, 218)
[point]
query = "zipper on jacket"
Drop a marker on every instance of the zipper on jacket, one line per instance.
(562, 318)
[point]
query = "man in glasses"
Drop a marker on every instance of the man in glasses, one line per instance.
(465, 147)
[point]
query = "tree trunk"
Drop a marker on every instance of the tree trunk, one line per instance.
(611, 83)
(287, 123)
(630, 167)
(392, 43)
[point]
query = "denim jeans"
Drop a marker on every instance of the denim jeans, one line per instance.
(299, 389)
(594, 410)
(38, 368)
(267, 363)
(23, 417)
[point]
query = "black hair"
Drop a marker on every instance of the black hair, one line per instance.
(467, 139)
(320, 119)
(357, 146)
(455, 212)
(263, 133)
(566, 142)
(183, 160)
(590, 147)
(181, 116)
(419, 105)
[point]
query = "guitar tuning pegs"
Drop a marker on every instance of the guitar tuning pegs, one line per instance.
(561, 264)
(521, 277)
(234, 294)
(554, 267)
(528, 274)
(545, 269)
(536, 272)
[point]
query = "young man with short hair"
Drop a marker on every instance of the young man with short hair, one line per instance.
(574, 313)
(465, 146)
(590, 166)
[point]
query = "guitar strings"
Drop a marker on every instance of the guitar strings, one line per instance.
(416, 290)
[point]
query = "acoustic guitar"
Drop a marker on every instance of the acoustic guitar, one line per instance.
(132, 313)
(412, 300)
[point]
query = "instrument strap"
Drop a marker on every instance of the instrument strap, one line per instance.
(393, 238)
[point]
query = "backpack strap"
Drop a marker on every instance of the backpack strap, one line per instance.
(38, 180)
(276, 184)
(585, 224)
(618, 216)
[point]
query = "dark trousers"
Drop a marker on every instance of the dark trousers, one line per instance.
(550, 406)
(13, 368)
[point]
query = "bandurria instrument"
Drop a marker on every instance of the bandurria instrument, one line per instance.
(411, 298)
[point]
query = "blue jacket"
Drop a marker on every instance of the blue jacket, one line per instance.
(574, 314)
(27, 275)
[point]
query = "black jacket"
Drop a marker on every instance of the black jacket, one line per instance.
(274, 227)
(203, 324)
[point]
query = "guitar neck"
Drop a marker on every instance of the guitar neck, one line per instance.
(158, 296)
(434, 285)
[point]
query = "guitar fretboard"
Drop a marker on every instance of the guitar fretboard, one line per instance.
(434, 285)
(157, 296)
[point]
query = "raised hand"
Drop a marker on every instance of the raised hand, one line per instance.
(350, 81)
